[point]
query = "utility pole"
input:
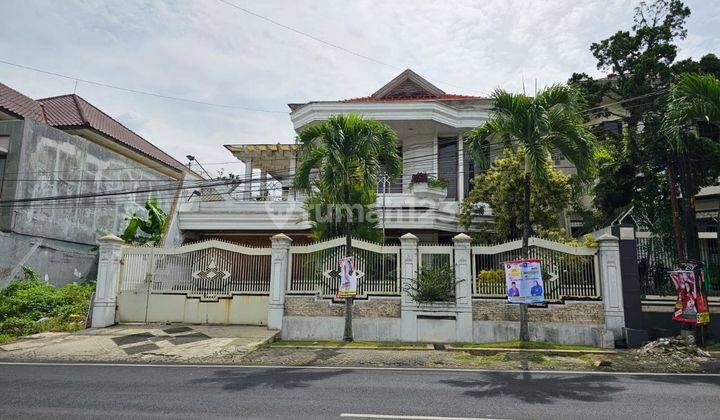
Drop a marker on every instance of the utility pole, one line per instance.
(385, 183)
(672, 187)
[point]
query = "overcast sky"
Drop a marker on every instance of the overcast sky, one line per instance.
(208, 51)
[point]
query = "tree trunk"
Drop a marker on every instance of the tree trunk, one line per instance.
(348, 333)
(691, 231)
(524, 331)
(672, 187)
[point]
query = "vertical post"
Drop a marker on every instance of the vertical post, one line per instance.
(248, 179)
(279, 261)
(463, 288)
(263, 184)
(408, 279)
(611, 282)
(291, 177)
(461, 169)
(106, 290)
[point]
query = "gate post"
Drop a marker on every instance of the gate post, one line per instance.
(408, 278)
(279, 261)
(108, 277)
(611, 283)
(463, 288)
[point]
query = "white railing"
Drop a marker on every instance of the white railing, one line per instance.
(313, 268)
(208, 269)
(568, 272)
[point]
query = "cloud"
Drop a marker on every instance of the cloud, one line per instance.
(209, 51)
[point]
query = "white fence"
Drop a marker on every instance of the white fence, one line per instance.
(207, 270)
(568, 272)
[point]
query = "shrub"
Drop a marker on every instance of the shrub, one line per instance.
(15, 326)
(491, 277)
(434, 284)
(431, 181)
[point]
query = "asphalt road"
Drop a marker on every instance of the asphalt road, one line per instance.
(82, 391)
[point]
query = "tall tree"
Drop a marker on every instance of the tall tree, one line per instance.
(694, 99)
(345, 153)
(549, 123)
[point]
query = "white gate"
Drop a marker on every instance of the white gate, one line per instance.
(211, 282)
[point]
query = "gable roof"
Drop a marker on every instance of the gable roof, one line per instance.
(73, 112)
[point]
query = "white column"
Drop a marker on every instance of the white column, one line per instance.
(408, 272)
(248, 179)
(278, 280)
(461, 169)
(463, 288)
(291, 178)
(263, 183)
(611, 283)
(108, 277)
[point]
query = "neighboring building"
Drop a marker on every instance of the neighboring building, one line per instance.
(65, 146)
(430, 125)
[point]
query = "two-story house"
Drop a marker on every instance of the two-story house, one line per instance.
(430, 125)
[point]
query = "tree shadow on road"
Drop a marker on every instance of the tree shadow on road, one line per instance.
(241, 379)
(539, 388)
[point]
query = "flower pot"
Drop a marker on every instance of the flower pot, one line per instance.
(423, 191)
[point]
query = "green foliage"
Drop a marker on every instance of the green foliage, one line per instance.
(150, 231)
(500, 188)
(434, 284)
(491, 278)
(25, 301)
(340, 160)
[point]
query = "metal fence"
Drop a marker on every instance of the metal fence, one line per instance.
(568, 272)
(207, 269)
(314, 268)
(656, 256)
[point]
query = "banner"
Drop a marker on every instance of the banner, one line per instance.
(348, 278)
(691, 306)
(523, 281)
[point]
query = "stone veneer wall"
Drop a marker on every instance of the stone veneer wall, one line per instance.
(376, 307)
(567, 313)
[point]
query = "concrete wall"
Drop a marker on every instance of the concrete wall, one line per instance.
(45, 162)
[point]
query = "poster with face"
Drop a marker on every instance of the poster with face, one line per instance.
(691, 306)
(348, 278)
(523, 281)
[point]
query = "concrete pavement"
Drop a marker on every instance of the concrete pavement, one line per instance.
(142, 343)
(91, 391)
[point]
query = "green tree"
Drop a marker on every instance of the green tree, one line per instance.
(550, 123)
(150, 231)
(497, 189)
(695, 98)
(340, 159)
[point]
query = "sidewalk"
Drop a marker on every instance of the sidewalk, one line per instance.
(142, 343)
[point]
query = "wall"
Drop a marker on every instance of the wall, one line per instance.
(44, 162)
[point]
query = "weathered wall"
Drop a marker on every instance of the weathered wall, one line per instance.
(371, 308)
(569, 312)
(58, 262)
(51, 163)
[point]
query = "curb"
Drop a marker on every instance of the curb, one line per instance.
(485, 350)
(426, 348)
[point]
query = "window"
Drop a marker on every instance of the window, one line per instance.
(611, 127)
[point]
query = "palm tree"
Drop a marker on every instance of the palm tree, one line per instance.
(346, 153)
(694, 98)
(550, 122)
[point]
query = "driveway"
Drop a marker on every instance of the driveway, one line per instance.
(142, 343)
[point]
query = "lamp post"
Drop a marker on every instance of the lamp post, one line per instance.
(192, 159)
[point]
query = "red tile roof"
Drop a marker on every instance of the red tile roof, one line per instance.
(72, 111)
(443, 97)
(19, 104)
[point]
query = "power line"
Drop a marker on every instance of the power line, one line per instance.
(141, 92)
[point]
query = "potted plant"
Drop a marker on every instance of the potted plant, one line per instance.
(427, 186)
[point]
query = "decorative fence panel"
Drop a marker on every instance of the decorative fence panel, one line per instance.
(432, 256)
(314, 268)
(568, 272)
(208, 270)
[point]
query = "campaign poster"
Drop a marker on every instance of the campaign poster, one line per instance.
(523, 281)
(348, 278)
(691, 306)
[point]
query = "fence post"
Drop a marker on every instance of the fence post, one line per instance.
(408, 278)
(279, 261)
(463, 288)
(611, 283)
(108, 277)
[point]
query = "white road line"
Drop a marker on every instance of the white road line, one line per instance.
(401, 369)
(390, 416)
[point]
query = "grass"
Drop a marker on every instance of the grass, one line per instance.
(541, 345)
(342, 344)
(713, 347)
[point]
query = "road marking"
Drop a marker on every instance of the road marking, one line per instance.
(390, 416)
(360, 368)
